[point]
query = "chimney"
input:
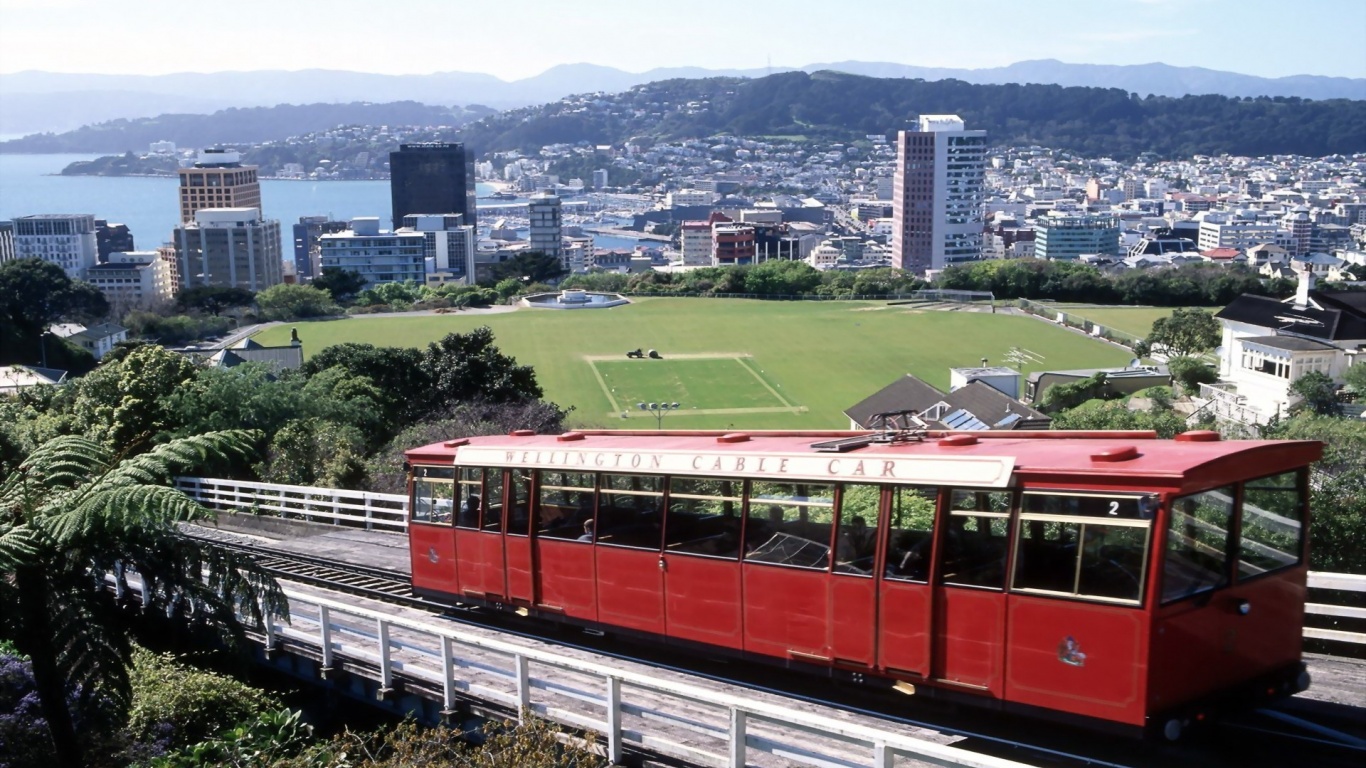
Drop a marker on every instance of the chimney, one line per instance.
(1306, 284)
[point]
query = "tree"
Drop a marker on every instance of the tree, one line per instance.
(396, 372)
(292, 302)
(214, 298)
(467, 366)
(1185, 332)
(33, 295)
(75, 511)
(529, 267)
(782, 278)
(1191, 372)
(1356, 378)
(129, 403)
(1096, 415)
(343, 284)
(316, 452)
(1317, 392)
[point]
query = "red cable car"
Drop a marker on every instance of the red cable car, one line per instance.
(1131, 583)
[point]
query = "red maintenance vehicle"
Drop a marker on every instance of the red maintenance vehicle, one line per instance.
(1128, 583)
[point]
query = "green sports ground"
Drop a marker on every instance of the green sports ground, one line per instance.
(729, 363)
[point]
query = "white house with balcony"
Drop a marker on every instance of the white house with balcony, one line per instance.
(1268, 344)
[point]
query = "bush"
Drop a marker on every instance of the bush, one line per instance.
(1190, 373)
(180, 705)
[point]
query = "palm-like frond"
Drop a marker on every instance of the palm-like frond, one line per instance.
(113, 511)
(17, 542)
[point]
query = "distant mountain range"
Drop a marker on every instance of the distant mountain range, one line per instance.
(825, 105)
(47, 101)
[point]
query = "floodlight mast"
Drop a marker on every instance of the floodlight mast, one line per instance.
(658, 409)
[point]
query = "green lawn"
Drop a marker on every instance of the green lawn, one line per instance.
(1136, 320)
(808, 360)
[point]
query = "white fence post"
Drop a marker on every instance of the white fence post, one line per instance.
(325, 632)
(386, 672)
(882, 756)
(523, 687)
(447, 676)
(737, 738)
(614, 745)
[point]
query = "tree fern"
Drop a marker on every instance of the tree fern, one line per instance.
(74, 512)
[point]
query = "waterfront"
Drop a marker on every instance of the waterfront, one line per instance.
(150, 206)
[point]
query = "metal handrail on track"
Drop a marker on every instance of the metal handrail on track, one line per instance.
(389, 512)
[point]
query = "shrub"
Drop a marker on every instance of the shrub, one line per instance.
(182, 705)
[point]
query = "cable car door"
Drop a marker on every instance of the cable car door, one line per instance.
(969, 596)
(904, 616)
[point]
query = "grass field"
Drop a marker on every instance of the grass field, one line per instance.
(729, 363)
(1136, 320)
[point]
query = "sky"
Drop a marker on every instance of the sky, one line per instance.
(513, 39)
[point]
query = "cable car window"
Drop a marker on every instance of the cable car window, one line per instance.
(1083, 545)
(630, 509)
(519, 514)
(789, 524)
(912, 533)
(433, 494)
(493, 501)
(704, 516)
(565, 505)
(470, 496)
(1198, 533)
(856, 539)
(975, 542)
(1272, 524)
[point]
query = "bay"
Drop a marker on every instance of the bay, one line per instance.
(150, 206)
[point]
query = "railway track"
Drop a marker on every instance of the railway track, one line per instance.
(1258, 739)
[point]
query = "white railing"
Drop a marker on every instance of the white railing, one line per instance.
(1227, 404)
(1347, 582)
(373, 511)
(678, 719)
(388, 511)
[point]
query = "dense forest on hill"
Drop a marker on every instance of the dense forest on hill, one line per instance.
(241, 126)
(834, 105)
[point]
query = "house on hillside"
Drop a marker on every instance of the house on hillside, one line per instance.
(288, 357)
(98, 340)
(14, 378)
(973, 404)
(1268, 344)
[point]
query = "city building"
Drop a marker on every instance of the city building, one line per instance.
(1300, 228)
(168, 255)
(937, 194)
(684, 198)
(432, 176)
(600, 178)
(1230, 232)
(695, 240)
(448, 246)
(546, 225)
(133, 279)
(217, 180)
(112, 238)
(1268, 345)
(231, 247)
(379, 256)
(6, 241)
(732, 244)
(64, 239)
(1063, 237)
(306, 234)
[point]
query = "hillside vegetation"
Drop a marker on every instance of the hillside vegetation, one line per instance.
(834, 105)
(241, 126)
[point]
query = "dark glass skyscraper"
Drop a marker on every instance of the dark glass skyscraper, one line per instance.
(434, 177)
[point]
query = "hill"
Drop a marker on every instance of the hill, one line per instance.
(241, 126)
(50, 101)
(836, 105)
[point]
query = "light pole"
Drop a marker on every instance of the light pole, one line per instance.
(658, 409)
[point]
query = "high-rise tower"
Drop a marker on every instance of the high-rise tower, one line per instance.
(546, 225)
(217, 180)
(937, 194)
(433, 176)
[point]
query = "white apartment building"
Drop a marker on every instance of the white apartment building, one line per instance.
(64, 239)
(231, 247)
(6, 241)
(376, 255)
(448, 246)
(695, 239)
(133, 279)
(546, 225)
(1230, 232)
(686, 197)
(937, 194)
(824, 256)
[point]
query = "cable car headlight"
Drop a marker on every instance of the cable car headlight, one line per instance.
(1147, 505)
